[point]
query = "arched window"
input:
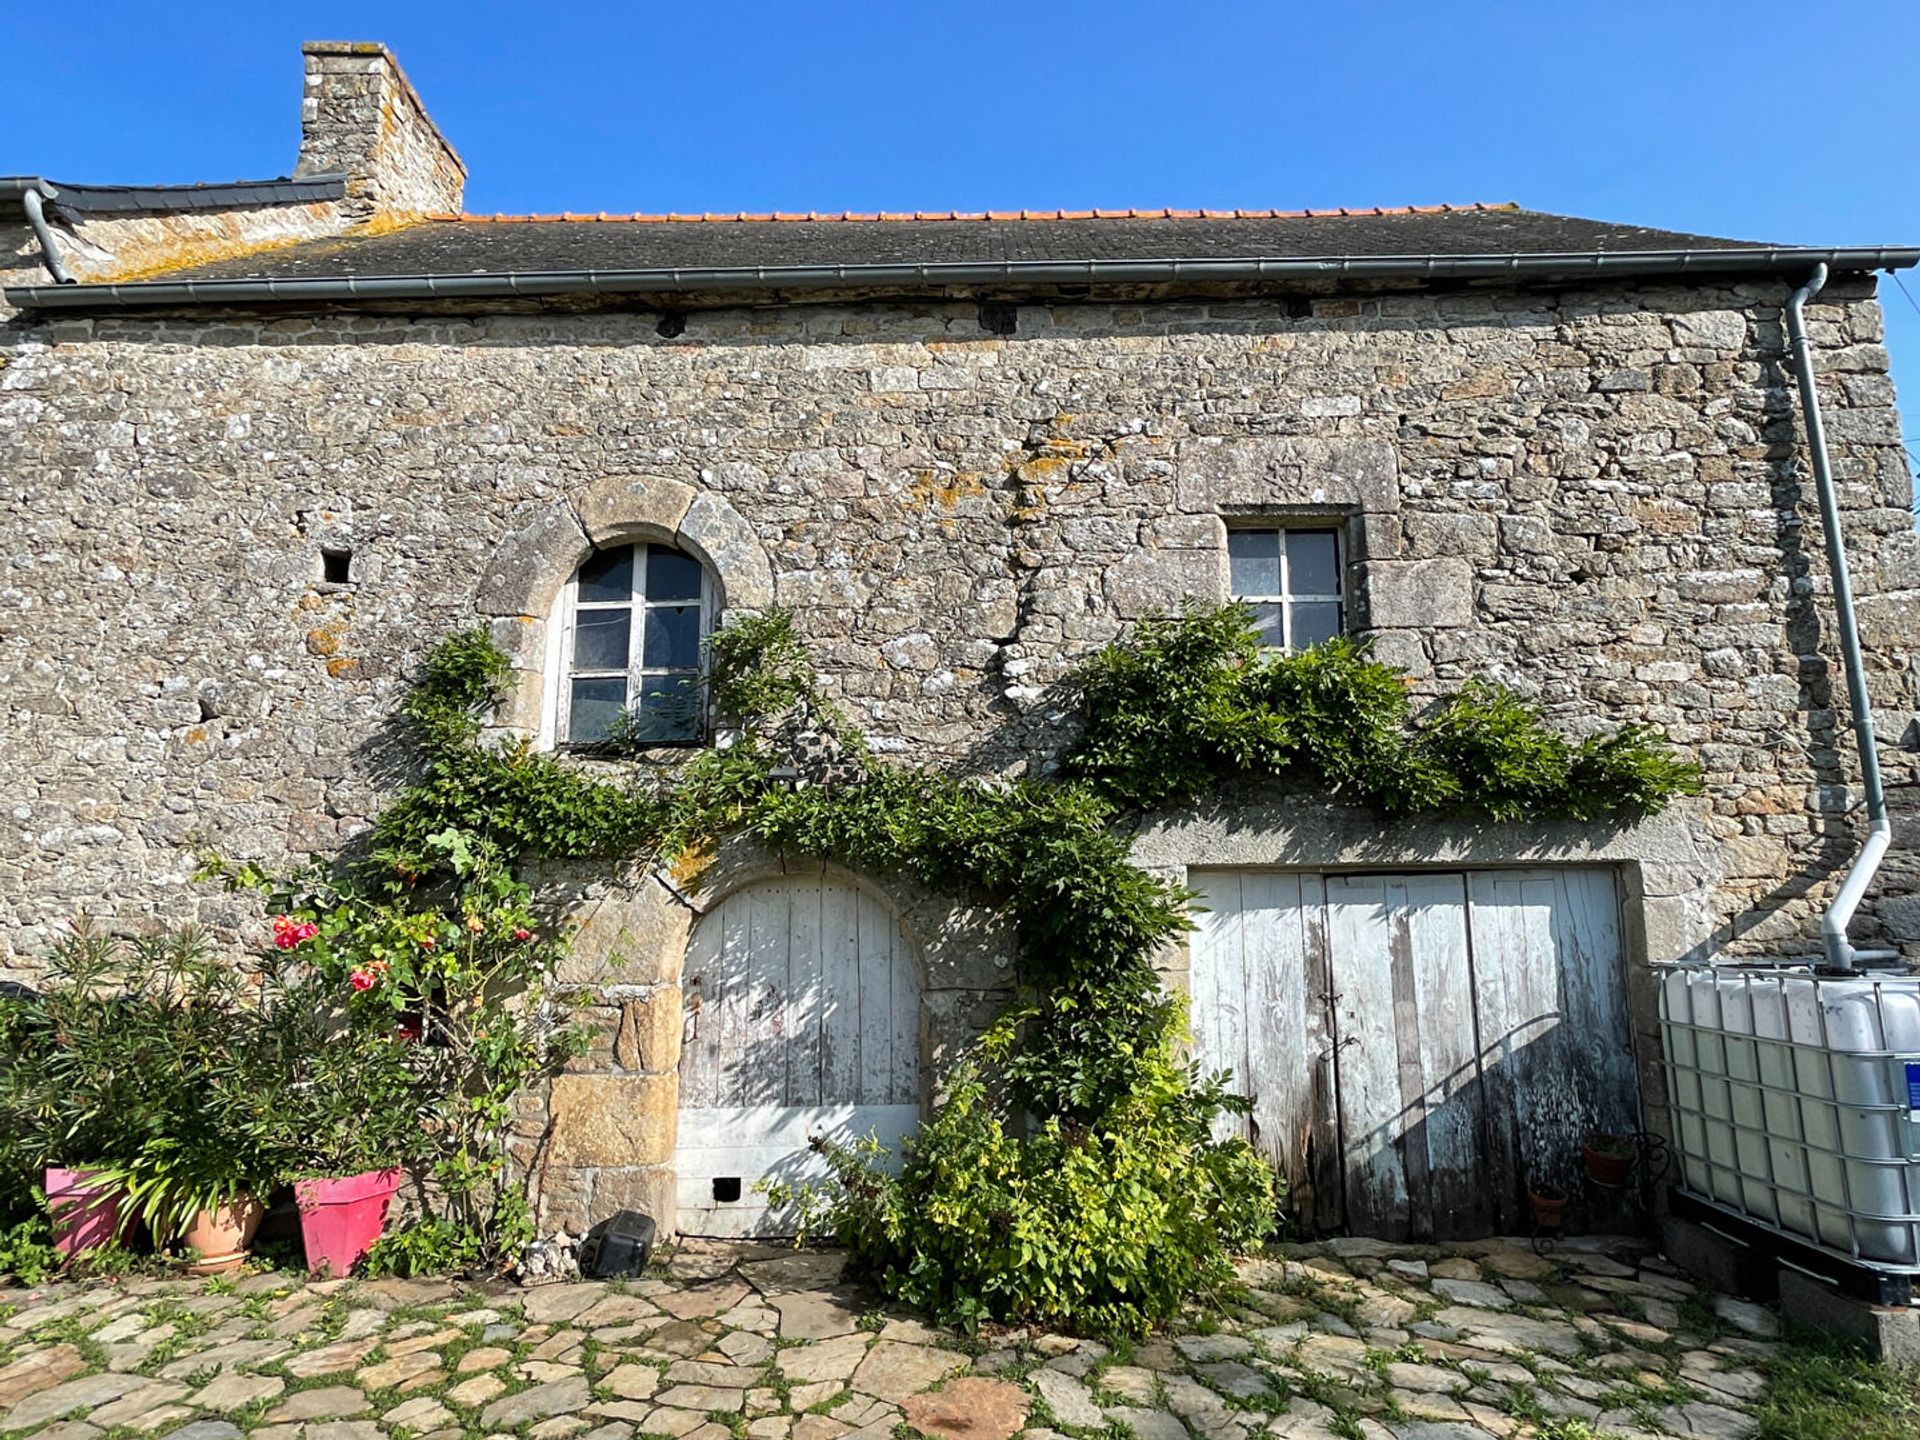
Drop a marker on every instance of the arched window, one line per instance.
(632, 628)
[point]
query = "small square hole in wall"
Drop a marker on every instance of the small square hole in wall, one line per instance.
(336, 567)
(726, 1188)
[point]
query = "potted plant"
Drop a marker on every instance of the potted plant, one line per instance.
(352, 1112)
(84, 1206)
(1549, 1206)
(66, 1096)
(1608, 1158)
(194, 1196)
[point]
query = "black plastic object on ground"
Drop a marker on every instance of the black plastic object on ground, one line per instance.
(618, 1245)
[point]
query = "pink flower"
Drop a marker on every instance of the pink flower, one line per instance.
(288, 932)
(427, 943)
(361, 980)
(475, 924)
(523, 934)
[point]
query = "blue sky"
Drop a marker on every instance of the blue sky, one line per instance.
(1757, 119)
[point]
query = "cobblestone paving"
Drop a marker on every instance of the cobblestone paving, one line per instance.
(1349, 1338)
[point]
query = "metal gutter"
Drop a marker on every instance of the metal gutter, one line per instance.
(1841, 955)
(31, 200)
(1768, 261)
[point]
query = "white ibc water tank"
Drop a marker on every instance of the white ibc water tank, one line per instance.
(1796, 1102)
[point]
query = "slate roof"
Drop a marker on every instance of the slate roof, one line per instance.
(471, 244)
(151, 199)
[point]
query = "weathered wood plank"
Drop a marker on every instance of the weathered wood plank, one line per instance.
(876, 1003)
(1555, 1043)
(805, 1020)
(1367, 1063)
(758, 1061)
(1444, 1120)
(1325, 1202)
(700, 982)
(840, 986)
(903, 1072)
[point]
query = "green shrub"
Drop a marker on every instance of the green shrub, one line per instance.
(1109, 1227)
(26, 1249)
(1189, 702)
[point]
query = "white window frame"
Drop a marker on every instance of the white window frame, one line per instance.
(557, 704)
(1288, 597)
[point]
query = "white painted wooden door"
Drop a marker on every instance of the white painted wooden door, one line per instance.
(1418, 1047)
(802, 1020)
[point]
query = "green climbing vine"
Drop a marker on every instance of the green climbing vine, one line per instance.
(1069, 1174)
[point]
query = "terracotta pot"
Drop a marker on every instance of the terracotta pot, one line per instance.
(1549, 1207)
(1605, 1168)
(85, 1215)
(341, 1218)
(222, 1238)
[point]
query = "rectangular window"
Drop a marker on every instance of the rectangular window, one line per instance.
(637, 616)
(1290, 578)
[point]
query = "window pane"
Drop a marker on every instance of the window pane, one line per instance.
(1315, 621)
(1266, 625)
(669, 708)
(600, 639)
(596, 710)
(608, 575)
(1312, 563)
(672, 637)
(1253, 556)
(671, 575)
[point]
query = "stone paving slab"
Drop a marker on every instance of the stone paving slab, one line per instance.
(751, 1342)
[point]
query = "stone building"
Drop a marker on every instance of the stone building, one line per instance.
(276, 438)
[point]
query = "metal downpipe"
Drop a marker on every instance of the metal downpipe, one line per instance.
(1833, 925)
(31, 201)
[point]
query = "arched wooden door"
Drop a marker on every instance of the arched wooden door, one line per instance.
(802, 1019)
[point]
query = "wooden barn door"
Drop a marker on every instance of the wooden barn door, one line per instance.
(1259, 1012)
(803, 1019)
(1417, 1047)
(1410, 1108)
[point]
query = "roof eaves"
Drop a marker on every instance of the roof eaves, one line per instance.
(1774, 261)
(817, 217)
(151, 199)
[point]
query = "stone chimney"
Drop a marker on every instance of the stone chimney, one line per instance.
(360, 117)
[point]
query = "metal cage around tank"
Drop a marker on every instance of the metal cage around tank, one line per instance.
(1795, 1101)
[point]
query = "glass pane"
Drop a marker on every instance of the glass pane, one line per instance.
(1266, 625)
(596, 710)
(1312, 563)
(672, 638)
(608, 575)
(1315, 621)
(1254, 559)
(671, 575)
(600, 639)
(669, 708)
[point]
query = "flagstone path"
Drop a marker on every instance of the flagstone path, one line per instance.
(1350, 1339)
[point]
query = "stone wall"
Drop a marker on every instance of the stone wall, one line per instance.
(1596, 497)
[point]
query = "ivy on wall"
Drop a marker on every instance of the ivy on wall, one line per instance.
(1070, 1175)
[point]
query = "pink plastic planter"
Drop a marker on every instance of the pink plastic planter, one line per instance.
(340, 1219)
(85, 1215)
